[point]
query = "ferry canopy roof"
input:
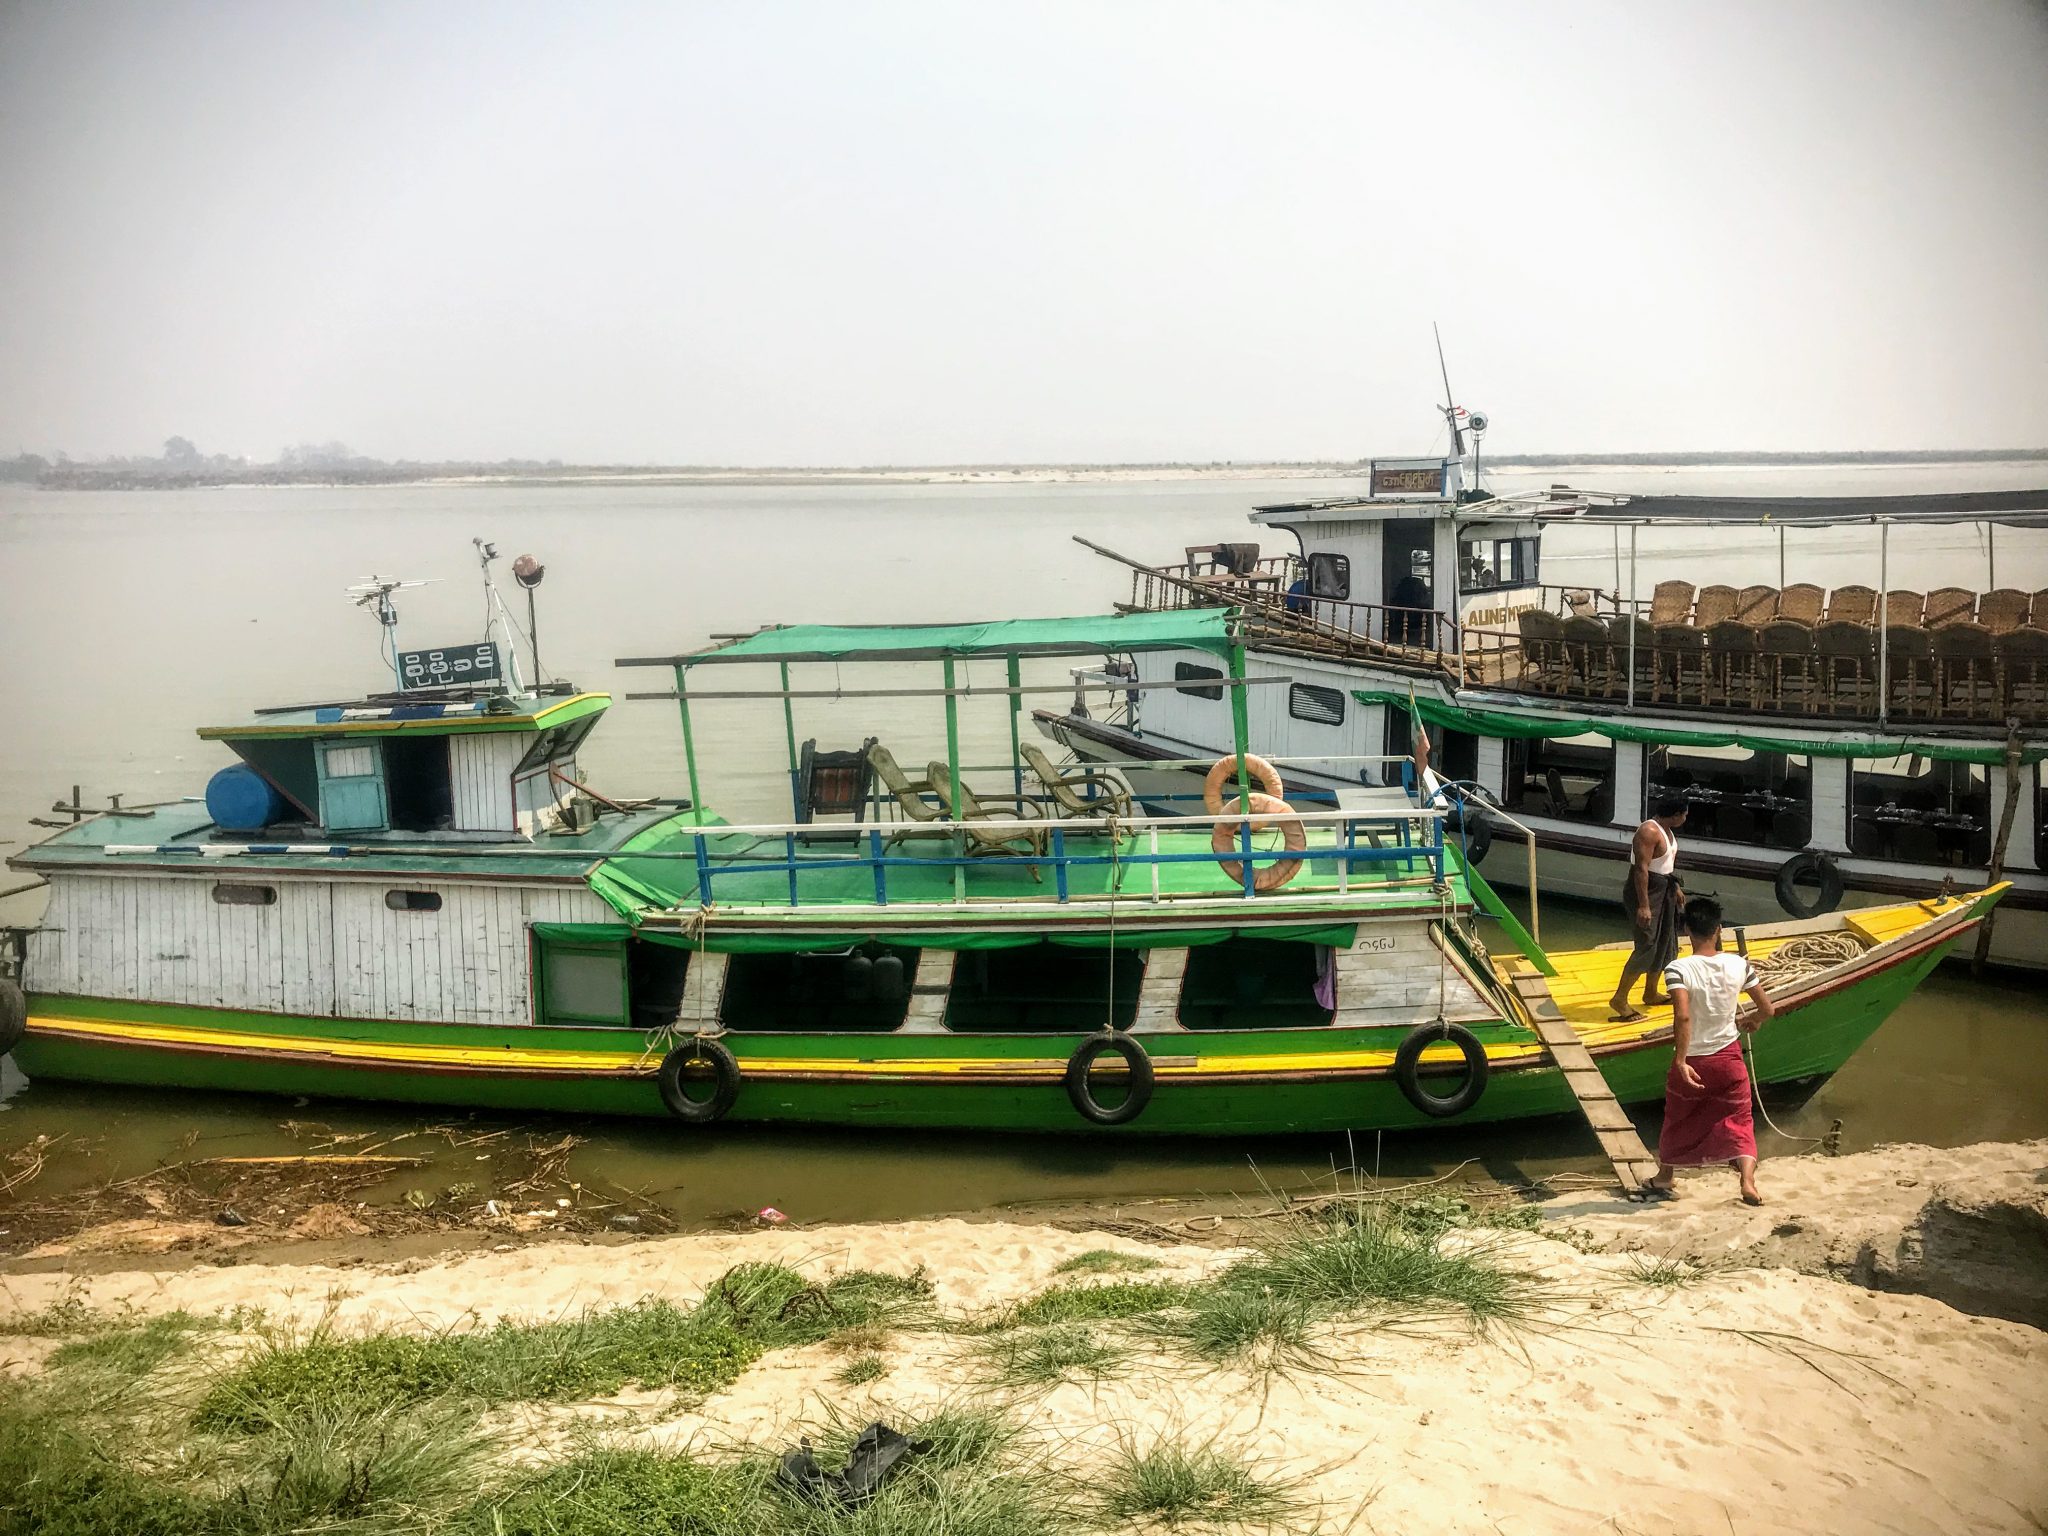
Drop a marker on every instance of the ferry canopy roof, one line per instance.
(2018, 508)
(1197, 629)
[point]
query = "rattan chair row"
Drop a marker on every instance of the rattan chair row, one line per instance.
(1958, 672)
(2000, 611)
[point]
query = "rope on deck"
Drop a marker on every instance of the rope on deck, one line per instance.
(1805, 957)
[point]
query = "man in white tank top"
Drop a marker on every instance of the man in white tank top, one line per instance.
(1653, 901)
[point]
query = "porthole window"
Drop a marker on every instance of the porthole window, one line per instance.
(413, 901)
(230, 895)
(1322, 706)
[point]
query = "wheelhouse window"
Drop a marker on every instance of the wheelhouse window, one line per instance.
(1484, 563)
(413, 901)
(1920, 810)
(1329, 576)
(1197, 682)
(1319, 706)
(1567, 778)
(1733, 795)
(229, 895)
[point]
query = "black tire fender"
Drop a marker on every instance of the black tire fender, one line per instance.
(725, 1077)
(13, 1014)
(1478, 834)
(1812, 864)
(1135, 1059)
(1408, 1063)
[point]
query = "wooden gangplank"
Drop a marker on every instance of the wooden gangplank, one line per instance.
(1634, 1164)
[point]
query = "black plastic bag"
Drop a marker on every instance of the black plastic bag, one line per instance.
(876, 1455)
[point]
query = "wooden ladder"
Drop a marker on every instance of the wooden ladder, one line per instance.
(1633, 1162)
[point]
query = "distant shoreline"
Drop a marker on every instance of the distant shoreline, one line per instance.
(78, 477)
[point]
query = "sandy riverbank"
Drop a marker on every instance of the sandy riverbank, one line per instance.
(1810, 1372)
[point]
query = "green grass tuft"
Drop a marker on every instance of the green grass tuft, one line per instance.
(617, 1491)
(1231, 1322)
(1105, 1261)
(134, 1349)
(1430, 1216)
(1046, 1356)
(860, 1370)
(1086, 1303)
(1665, 1273)
(1182, 1486)
(1372, 1260)
(651, 1342)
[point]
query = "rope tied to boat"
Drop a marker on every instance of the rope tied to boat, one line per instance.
(659, 1042)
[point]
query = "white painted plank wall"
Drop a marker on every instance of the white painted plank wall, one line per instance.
(1629, 809)
(480, 771)
(324, 947)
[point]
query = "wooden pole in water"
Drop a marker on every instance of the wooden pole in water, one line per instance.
(1998, 847)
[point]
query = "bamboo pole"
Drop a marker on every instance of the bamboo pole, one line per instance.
(1884, 606)
(1998, 847)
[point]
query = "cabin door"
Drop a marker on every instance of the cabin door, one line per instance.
(352, 787)
(1408, 578)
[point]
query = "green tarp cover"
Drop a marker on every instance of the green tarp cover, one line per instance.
(1516, 727)
(1198, 629)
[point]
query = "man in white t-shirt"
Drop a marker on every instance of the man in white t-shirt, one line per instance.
(1707, 1113)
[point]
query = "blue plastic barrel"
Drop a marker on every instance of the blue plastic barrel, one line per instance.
(239, 799)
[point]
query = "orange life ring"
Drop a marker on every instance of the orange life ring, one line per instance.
(1272, 811)
(1225, 768)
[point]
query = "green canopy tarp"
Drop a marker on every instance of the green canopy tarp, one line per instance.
(1196, 629)
(1509, 726)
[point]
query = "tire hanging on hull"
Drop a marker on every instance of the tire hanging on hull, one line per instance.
(725, 1081)
(1082, 1095)
(1408, 1064)
(1811, 865)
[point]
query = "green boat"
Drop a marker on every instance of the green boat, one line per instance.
(416, 897)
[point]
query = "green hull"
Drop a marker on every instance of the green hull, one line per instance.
(889, 1081)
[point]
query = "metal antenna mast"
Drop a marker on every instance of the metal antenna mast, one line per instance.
(1450, 400)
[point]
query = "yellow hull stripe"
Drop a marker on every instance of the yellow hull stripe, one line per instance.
(503, 1058)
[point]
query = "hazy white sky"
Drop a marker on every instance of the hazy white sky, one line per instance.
(845, 233)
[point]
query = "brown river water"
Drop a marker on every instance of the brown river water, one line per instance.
(127, 620)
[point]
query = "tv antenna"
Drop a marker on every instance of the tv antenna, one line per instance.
(374, 596)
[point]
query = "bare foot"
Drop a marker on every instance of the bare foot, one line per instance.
(1750, 1193)
(1656, 1002)
(1653, 1190)
(1621, 1013)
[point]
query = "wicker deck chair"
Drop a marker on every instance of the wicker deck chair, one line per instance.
(1903, 609)
(1851, 605)
(1714, 605)
(1543, 659)
(1756, 605)
(1681, 674)
(1801, 601)
(1735, 673)
(1966, 676)
(1646, 656)
(2003, 609)
(1785, 667)
(1847, 654)
(1588, 657)
(910, 793)
(2023, 672)
(1671, 603)
(1111, 798)
(1909, 668)
(1950, 605)
(983, 828)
